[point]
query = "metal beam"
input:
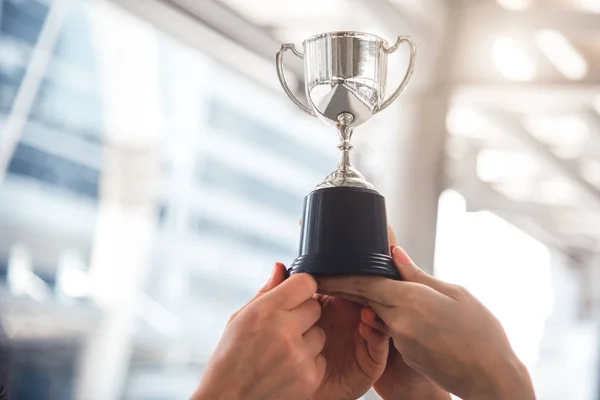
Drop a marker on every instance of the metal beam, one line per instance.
(393, 19)
(510, 124)
(545, 223)
(482, 196)
(31, 82)
(495, 18)
(526, 96)
(189, 26)
(231, 25)
(535, 221)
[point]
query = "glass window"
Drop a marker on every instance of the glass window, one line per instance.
(31, 162)
(68, 109)
(3, 271)
(219, 175)
(228, 120)
(23, 19)
(215, 228)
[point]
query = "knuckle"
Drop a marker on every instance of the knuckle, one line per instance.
(405, 326)
(419, 277)
(321, 335)
(461, 290)
(257, 312)
(306, 283)
(315, 308)
(398, 326)
(290, 338)
(413, 294)
(232, 317)
(310, 377)
(298, 358)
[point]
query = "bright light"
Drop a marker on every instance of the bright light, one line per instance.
(74, 283)
(556, 191)
(511, 61)
(72, 279)
(515, 190)
(477, 250)
(498, 166)
(591, 6)
(596, 104)
(562, 54)
(567, 133)
(590, 169)
(515, 5)
(463, 121)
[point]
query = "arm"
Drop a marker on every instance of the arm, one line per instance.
(442, 331)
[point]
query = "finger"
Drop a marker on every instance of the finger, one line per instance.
(293, 292)
(320, 367)
(324, 294)
(412, 273)
(307, 314)
(365, 289)
(375, 346)
(392, 237)
(314, 339)
(276, 278)
(369, 318)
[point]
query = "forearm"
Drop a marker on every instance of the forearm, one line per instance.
(210, 389)
(424, 390)
(429, 395)
(512, 382)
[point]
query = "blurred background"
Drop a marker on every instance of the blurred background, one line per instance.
(152, 170)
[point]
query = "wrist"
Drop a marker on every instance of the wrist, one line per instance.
(423, 390)
(210, 391)
(512, 381)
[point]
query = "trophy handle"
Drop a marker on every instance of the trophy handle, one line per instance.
(286, 88)
(409, 69)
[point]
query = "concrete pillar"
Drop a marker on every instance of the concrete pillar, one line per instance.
(416, 153)
(570, 344)
(416, 161)
(127, 59)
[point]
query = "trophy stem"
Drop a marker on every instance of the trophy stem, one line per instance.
(345, 147)
(345, 133)
(345, 174)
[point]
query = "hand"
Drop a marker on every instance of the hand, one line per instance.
(442, 331)
(356, 353)
(399, 381)
(270, 348)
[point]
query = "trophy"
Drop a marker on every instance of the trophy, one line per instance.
(344, 223)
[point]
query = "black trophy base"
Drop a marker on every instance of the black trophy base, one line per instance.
(344, 232)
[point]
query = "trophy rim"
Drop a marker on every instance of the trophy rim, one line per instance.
(352, 34)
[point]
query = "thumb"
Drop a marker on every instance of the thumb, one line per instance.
(410, 272)
(293, 292)
(277, 276)
(373, 350)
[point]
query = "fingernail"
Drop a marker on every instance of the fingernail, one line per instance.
(273, 272)
(401, 256)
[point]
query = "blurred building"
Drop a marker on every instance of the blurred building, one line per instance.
(151, 171)
(230, 187)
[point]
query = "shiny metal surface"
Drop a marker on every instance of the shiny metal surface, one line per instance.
(345, 80)
(283, 82)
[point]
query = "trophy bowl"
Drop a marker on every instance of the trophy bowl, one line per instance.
(344, 229)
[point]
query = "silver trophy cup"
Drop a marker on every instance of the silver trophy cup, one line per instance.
(344, 229)
(345, 80)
